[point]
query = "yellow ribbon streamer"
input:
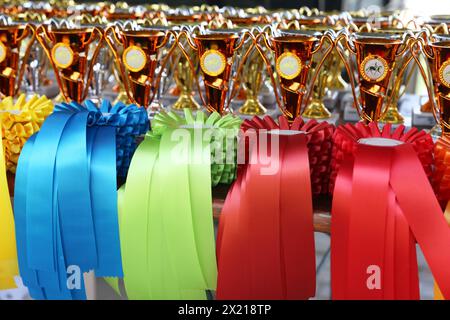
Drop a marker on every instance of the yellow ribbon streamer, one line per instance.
(8, 254)
(20, 121)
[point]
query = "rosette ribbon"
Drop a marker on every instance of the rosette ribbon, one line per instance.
(441, 182)
(130, 122)
(166, 220)
(223, 142)
(265, 244)
(66, 201)
(383, 203)
(8, 255)
(21, 119)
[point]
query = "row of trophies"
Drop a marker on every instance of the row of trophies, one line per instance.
(227, 58)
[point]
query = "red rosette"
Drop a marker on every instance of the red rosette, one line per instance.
(265, 242)
(441, 176)
(319, 141)
(346, 137)
(383, 205)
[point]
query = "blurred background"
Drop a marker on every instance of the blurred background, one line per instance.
(418, 6)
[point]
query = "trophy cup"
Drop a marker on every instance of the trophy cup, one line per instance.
(376, 56)
(102, 66)
(72, 53)
(250, 77)
(435, 29)
(35, 77)
(435, 70)
(184, 80)
(401, 75)
(328, 78)
(294, 56)
(139, 58)
(16, 41)
(215, 50)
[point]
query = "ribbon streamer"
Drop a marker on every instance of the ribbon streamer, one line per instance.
(373, 253)
(66, 201)
(166, 221)
(21, 119)
(8, 254)
(265, 244)
(223, 142)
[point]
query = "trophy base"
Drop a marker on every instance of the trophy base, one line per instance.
(271, 112)
(316, 110)
(392, 116)
(59, 99)
(122, 97)
(185, 101)
(252, 107)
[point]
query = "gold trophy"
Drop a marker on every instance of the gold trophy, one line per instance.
(294, 56)
(249, 78)
(434, 27)
(401, 76)
(252, 79)
(215, 51)
(184, 79)
(437, 64)
(16, 41)
(376, 56)
(138, 56)
(72, 53)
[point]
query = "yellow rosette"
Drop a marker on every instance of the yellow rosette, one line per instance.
(21, 119)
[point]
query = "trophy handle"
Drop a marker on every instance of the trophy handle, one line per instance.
(189, 40)
(235, 88)
(270, 71)
(239, 44)
(418, 43)
(348, 41)
(294, 23)
(29, 30)
(331, 39)
(191, 65)
(44, 39)
(111, 38)
(165, 60)
(367, 27)
(398, 80)
(348, 66)
(97, 34)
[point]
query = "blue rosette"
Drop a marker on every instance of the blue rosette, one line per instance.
(66, 196)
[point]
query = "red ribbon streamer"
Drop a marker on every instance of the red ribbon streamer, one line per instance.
(383, 202)
(265, 244)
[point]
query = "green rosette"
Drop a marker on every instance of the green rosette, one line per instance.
(223, 143)
(165, 216)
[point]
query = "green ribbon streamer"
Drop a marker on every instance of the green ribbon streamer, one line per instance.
(165, 211)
